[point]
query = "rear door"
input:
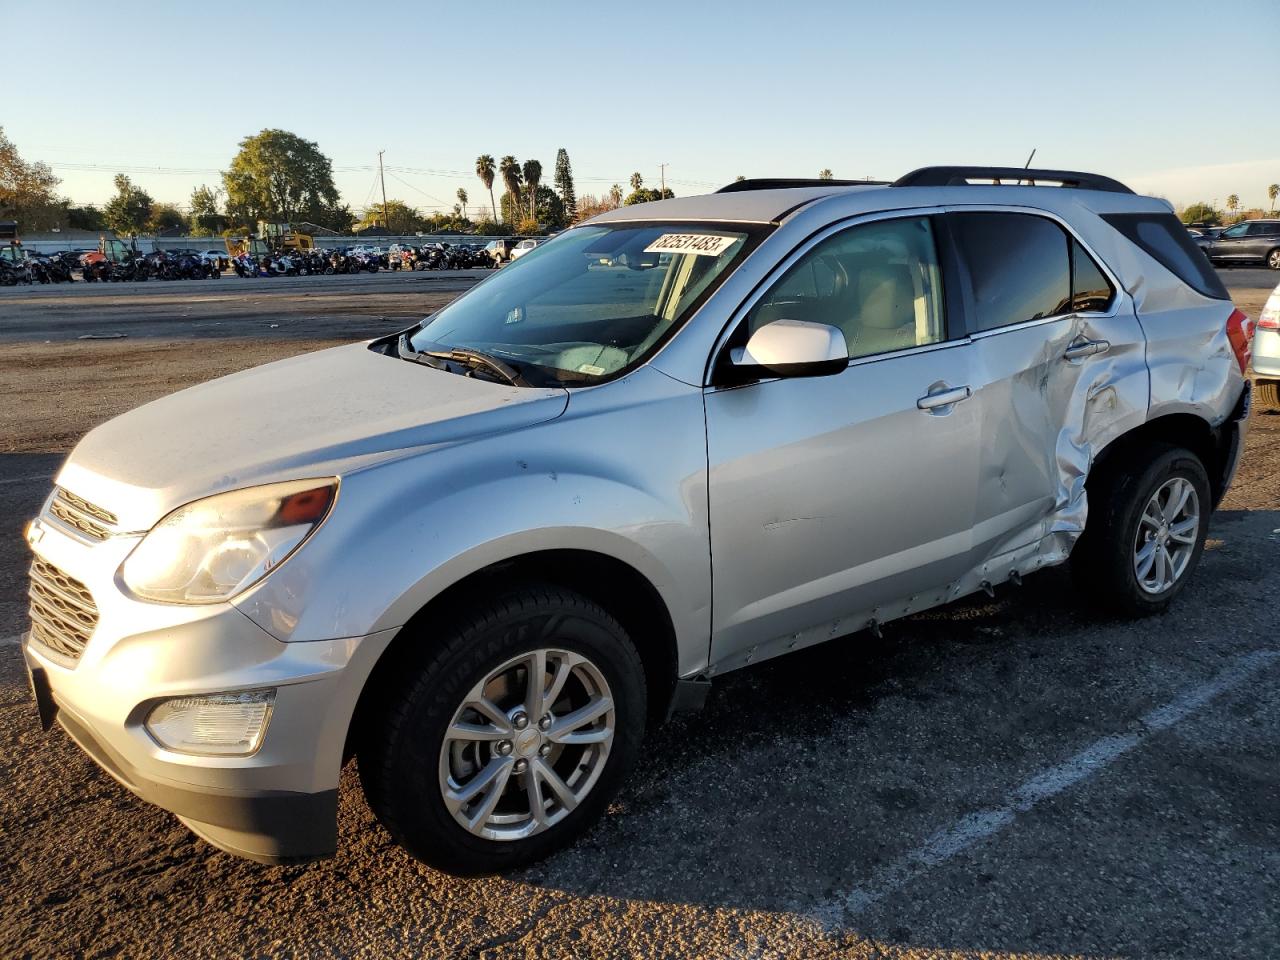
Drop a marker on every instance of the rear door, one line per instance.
(1261, 239)
(1059, 370)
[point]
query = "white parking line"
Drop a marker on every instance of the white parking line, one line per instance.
(976, 827)
(34, 476)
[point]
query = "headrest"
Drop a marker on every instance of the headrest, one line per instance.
(886, 296)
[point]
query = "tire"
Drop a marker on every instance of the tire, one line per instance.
(1105, 560)
(407, 762)
(1269, 393)
(1272, 259)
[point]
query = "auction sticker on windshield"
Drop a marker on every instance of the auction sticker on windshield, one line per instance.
(698, 244)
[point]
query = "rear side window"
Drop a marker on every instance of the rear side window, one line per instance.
(1167, 241)
(1019, 266)
(1091, 291)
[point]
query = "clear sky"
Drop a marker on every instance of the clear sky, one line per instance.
(1175, 98)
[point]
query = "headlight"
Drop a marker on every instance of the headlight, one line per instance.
(215, 548)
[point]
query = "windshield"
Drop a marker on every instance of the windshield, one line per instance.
(592, 303)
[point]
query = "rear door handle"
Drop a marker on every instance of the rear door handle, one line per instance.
(1080, 349)
(943, 398)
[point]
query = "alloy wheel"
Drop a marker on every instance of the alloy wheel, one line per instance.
(1167, 533)
(527, 744)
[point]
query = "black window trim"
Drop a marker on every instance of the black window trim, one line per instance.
(952, 323)
(970, 309)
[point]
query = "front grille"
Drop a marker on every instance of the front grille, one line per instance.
(79, 514)
(63, 614)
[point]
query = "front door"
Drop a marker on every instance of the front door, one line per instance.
(840, 499)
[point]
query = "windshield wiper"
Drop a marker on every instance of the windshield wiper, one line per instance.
(464, 355)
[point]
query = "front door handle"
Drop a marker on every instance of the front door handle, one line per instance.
(943, 398)
(1081, 348)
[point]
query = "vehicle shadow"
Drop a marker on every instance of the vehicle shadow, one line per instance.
(804, 776)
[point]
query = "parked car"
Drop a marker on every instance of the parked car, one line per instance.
(500, 251)
(1250, 241)
(477, 554)
(524, 246)
(1266, 352)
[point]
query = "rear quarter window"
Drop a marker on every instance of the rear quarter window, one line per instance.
(1166, 240)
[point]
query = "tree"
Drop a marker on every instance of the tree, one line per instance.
(825, 174)
(399, 217)
(739, 178)
(484, 170)
(165, 216)
(279, 176)
(641, 195)
(1273, 191)
(637, 181)
(1233, 203)
(1201, 213)
(532, 177)
(206, 219)
(130, 209)
(615, 195)
(548, 209)
(87, 217)
(462, 201)
(564, 184)
(27, 191)
(509, 168)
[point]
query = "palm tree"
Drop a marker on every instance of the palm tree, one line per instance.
(637, 181)
(462, 201)
(484, 170)
(532, 177)
(615, 194)
(509, 167)
(1273, 191)
(825, 174)
(1233, 203)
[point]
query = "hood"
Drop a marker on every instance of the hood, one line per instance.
(313, 415)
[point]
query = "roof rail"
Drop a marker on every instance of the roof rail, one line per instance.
(783, 183)
(960, 176)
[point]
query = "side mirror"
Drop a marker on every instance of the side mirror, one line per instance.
(791, 348)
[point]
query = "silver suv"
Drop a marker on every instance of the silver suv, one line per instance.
(683, 437)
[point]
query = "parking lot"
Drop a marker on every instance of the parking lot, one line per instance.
(1003, 777)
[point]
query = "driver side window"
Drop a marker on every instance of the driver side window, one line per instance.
(879, 283)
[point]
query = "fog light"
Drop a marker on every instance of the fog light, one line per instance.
(221, 724)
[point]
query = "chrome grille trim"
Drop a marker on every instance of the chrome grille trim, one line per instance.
(63, 614)
(81, 515)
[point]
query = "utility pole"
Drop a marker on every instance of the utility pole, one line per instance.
(386, 222)
(662, 176)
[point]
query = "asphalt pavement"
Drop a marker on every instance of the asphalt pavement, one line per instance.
(1006, 777)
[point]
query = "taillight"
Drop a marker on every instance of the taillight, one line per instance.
(1269, 321)
(1239, 333)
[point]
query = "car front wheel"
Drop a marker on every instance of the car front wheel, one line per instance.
(1273, 259)
(507, 733)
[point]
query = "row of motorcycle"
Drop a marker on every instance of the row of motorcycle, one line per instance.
(95, 268)
(160, 265)
(40, 268)
(302, 263)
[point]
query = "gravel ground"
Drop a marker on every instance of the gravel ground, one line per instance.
(1006, 777)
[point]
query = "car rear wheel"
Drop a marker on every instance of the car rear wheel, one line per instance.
(507, 733)
(1269, 393)
(1273, 259)
(1148, 514)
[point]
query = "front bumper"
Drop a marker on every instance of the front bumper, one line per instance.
(276, 805)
